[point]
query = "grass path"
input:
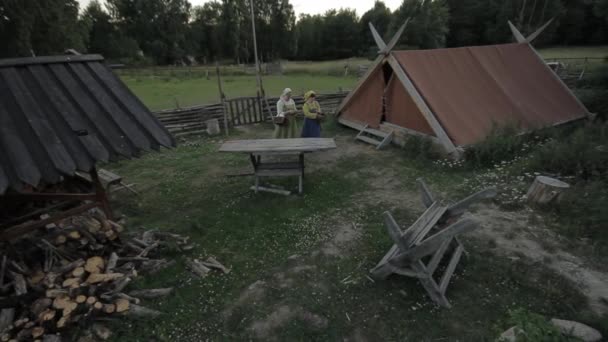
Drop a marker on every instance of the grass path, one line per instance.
(299, 263)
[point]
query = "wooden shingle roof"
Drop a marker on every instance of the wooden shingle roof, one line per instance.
(62, 114)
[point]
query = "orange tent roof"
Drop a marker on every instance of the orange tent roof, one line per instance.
(472, 89)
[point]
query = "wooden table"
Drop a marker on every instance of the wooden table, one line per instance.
(265, 147)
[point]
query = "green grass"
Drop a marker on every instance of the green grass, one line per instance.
(167, 92)
(184, 190)
(600, 51)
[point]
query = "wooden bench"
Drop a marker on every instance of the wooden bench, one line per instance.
(419, 250)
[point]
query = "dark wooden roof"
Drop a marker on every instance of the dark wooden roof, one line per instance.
(61, 114)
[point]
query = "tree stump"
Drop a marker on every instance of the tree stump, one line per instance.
(545, 190)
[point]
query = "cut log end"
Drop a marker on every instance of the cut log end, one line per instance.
(546, 190)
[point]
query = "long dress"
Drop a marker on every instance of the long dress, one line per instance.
(312, 125)
(290, 128)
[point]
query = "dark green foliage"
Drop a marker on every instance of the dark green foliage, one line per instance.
(421, 148)
(582, 154)
(583, 210)
(501, 144)
(535, 328)
(428, 24)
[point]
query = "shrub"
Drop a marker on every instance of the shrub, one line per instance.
(501, 144)
(533, 327)
(421, 148)
(583, 154)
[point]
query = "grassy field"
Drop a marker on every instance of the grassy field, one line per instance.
(168, 88)
(162, 93)
(299, 263)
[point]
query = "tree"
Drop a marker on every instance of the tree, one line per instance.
(160, 27)
(380, 17)
(428, 26)
(205, 31)
(103, 37)
(42, 27)
(340, 34)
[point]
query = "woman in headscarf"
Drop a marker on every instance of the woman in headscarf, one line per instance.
(312, 116)
(285, 124)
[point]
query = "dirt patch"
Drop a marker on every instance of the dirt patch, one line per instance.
(265, 328)
(515, 236)
(252, 294)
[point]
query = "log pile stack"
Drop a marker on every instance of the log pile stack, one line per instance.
(75, 273)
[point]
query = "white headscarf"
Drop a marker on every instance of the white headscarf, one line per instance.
(283, 101)
(286, 91)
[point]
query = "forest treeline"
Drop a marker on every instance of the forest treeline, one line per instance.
(174, 32)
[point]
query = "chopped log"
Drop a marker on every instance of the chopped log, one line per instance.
(213, 263)
(78, 272)
(151, 293)
(147, 250)
(81, 299)
(65, 304)
(37, 277)
(117, 227)
(40, 305)
(111, 262)
(155, 266)
(19, 268)
(37, 332)
(2, 270)
(6, 318)
(121, 284)
(29, 324)
(51, 338)
(98, 305)
(70, 266)
(111, 235)
(71, 282)
(60, 239)
(127, 297)
(24, 335)
(197, 267)
(47, 315)
(74, 235)
(21, 322)
(5, 337)
(141, 312)
(109, 308)
(61, 323)
(55, 293)
(103, 277)
(122, 305)
(545, 190)
(101, 331)
(94, 264)
(91, 300)
(19, 284)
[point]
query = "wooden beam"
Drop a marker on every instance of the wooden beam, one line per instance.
(41, 197)
(536, 33)
(518, 36)
(377, 38)
(49, 60)
(391, 44)
(443, 137)
(461, 206)
(433, 243)
(427, 196)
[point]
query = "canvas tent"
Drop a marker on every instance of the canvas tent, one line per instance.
(458, 95)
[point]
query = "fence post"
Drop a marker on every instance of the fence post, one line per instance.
(222, 96)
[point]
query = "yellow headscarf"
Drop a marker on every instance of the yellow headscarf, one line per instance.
(308, 94)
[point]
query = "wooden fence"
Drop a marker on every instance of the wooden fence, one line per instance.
(240, 111)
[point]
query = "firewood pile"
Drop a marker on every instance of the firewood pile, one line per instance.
(75, 274)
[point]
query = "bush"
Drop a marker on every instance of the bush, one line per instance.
(533, 327)
(501, 144)
(596, 101)
(583, 154)
(421, 148)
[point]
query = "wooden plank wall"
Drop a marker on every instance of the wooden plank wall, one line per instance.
(191, 120)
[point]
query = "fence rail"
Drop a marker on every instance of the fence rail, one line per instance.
(240, 111)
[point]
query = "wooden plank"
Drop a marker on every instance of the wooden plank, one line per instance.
(437, 215)
(377, 38)
(463, 205)
(278, 172)
(391, 44)
(430, 286)
(429, 218)
(427, 196)
(518, 36)
(445, 279)
(433, 243)
(261, 146)
(394, 231)
(422, 105)
(536, 33)
(383, 269)
(385, 142)
(369, 140)
(271, 190)
(436, 259)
